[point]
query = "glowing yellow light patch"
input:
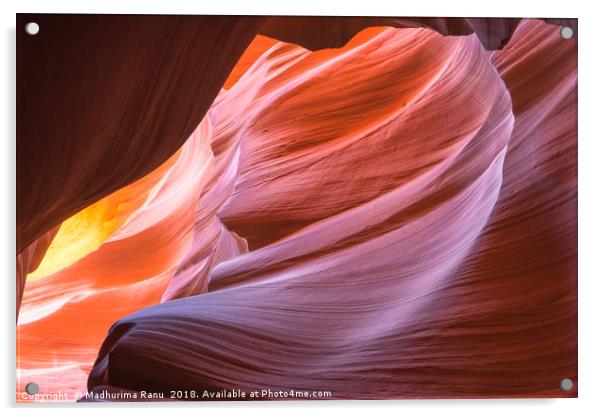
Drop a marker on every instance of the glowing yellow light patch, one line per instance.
(80, 235)
(88, 229)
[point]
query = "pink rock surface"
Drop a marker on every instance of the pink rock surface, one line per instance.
(412, 231)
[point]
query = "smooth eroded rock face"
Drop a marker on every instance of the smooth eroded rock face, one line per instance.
(378, 208)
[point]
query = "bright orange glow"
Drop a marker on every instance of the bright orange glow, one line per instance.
(259, 45)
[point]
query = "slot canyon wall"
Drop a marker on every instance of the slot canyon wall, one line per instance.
(375, 207)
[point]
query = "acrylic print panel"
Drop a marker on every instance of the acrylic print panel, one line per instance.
(299, 208)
